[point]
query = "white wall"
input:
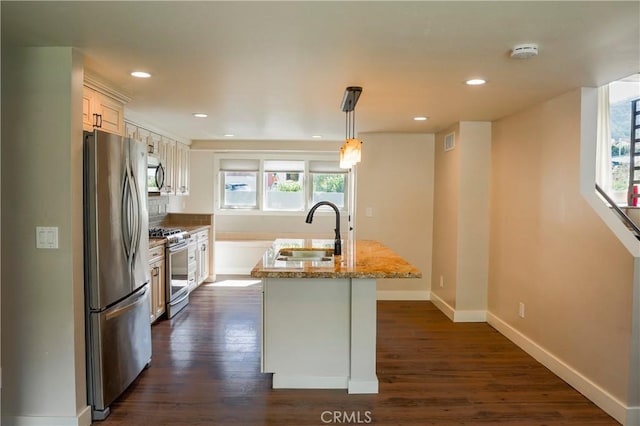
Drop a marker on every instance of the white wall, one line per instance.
(239, 226)
(473, 220)
(396, 181)
(550, 251)
(202, 175)
(461, 222)
(43, 353)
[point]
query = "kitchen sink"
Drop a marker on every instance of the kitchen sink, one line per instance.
(305, 254)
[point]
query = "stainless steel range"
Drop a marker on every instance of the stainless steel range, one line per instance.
(177, 267)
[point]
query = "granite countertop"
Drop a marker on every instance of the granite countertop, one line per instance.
(192, 229)
(155, 242)
(360, 259)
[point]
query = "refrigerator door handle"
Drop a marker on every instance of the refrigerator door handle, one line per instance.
(125, 222)
(132, 305)
(135, 210)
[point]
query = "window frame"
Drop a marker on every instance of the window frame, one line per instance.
(261, 156)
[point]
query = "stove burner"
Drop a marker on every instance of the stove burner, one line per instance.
(163, 232)
(173, 236)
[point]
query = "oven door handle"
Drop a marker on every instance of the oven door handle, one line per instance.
(175, 302)
(178, 247)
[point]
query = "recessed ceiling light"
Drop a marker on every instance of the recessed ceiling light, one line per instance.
(141, 74)
(229, 135)
(316, 136)
(420, 118)
(200, 115)
(475, 82)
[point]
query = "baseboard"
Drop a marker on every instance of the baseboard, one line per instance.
(457, 315)
(283, 381)
(470, 316)
(402, 295)
(363, 386)
(82, 419)
(582, 384)
(443, 306)
(233, 271)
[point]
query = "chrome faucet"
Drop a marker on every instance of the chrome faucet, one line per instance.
(337, 244)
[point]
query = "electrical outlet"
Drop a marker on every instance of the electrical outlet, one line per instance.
(441, 281)
(368, 212)
(521, 310)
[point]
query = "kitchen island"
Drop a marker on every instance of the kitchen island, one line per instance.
(319, 313)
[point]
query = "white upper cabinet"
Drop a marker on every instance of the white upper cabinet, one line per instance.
(102, 108)
(168, 160)
(182, 169)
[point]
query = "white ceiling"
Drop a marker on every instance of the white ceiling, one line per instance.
(278, 70)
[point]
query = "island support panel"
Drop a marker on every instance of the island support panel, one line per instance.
(320, 333)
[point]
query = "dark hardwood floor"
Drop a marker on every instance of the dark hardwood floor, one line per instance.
(206, 371)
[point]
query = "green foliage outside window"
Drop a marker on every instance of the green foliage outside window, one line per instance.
(328, 183)
(289, 187)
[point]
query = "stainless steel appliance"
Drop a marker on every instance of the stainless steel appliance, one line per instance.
(179, 266)
(155, 175)
(118, 332)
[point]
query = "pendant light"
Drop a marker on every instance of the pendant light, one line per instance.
(351, 150)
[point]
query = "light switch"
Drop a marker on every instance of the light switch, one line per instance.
(47, 237)
(368, 212)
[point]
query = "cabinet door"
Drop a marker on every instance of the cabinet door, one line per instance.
(102, 112)
(87, 109)
(182, 153)
(204, 260)
(111, 115)
(159, 290)
(167, 156)
(153, 144)
(130, 131)
(156, 275)
(203, 256)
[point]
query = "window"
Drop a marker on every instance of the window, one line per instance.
(328, 183)
(239, 183)
(284, 185)
(288, 183)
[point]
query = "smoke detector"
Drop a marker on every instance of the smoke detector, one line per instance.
(524, 51)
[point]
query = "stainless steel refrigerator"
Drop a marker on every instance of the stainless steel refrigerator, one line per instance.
(116, 242)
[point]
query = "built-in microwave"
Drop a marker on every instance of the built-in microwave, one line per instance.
(155, 175)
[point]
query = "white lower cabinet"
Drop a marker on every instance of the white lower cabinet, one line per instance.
(202, 254)
(192, 265)
(156, 269)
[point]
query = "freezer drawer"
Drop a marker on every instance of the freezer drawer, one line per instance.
(120, 339)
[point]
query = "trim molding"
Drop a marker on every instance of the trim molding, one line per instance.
(470, 316)
(82, 419)
(443, 306)
(403, 295)
(582, 384)
(282, 381)
(458, 315)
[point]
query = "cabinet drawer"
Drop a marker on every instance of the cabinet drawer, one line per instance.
(156, 252)
(202, 235)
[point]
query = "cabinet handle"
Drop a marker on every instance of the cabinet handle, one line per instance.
(97, 120)
(156, 271)
(204, 247)
(150, 149)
